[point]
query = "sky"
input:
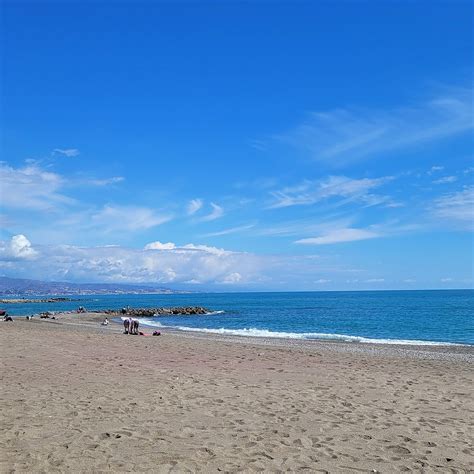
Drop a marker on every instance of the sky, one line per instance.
(238, 146)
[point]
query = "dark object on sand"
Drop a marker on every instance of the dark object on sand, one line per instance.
(7, 318)
(156, 333)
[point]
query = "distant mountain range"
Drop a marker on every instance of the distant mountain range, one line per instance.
(20, 287)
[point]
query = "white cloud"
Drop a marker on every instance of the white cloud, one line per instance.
(311, 192)
(160, 246)
(131, 218)
(31, 187)
(446, 280)
(434, 169)
(322, 281)
(258, 145)
(340, 235)
(375, 280)
(446, 180)
(216, 213)
(232, 278)
(69, 152)
(206, 248)
(168, 263)
(194, 205)
(19, 247)
(232, 230)
(105, 181)
(457, 207)
(344, 135)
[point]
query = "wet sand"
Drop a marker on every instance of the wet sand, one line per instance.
(78, 397)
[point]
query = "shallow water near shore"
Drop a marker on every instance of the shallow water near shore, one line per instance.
(397, 317)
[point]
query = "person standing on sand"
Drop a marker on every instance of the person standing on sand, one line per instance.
(126, 325)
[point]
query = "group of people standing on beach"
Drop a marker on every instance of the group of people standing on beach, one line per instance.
(131, 326)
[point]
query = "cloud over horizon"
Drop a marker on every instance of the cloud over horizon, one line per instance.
(155, 263)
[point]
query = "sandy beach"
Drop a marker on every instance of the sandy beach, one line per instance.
(78, 397)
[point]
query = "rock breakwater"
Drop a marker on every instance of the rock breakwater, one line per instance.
(150, 312)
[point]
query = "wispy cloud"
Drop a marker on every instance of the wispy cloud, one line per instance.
(445, 180)
(457, 207)
(435, 169)
(298, 227)
(311, 192)
(31, 187)
(131, 218)
(105, 181)
(344, 135)
(339, 236)
(36, 188)
(216, 213)
(260, 145)
(193, 206)
(231, 230)
(69, 152)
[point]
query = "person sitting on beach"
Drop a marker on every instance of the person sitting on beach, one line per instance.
(105, 322)
(7, 318)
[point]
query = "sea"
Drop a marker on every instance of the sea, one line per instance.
(436, 317)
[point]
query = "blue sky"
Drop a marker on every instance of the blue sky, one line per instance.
(234, 146)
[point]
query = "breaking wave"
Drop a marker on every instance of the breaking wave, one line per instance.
(264, 333)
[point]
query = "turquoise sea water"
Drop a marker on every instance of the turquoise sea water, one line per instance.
(369, 316)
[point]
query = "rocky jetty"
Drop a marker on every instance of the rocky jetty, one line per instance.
(150, 312)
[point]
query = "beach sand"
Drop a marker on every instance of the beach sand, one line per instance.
(78, 397)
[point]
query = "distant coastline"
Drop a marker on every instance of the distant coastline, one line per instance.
(20, 287)
(34, 300)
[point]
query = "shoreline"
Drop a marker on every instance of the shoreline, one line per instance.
(81, 397)
(446, 351)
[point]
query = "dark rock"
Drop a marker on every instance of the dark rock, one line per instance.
(150, 312)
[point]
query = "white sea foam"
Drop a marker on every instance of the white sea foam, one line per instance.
(253, 332)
